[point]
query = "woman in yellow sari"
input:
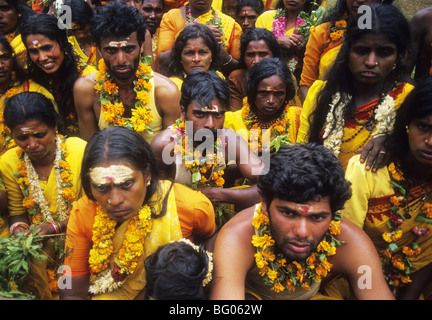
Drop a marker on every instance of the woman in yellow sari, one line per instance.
(325, 41)
(351, 111)
(42, 179)
(394, 205)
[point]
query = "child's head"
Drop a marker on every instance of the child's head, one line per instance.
(178, 270)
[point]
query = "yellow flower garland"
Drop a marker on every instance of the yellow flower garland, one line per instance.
(131, 250)
(113, 110)
(195, 162)
(278, 128)
(274, 268)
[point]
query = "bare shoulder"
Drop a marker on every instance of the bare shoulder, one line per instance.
(351, 233)
(85, 84)
(164, 82)
(162, 140)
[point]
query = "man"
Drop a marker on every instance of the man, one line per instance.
(129, 93)
(283, 247)
(196, 151)
(421, 30)
(152, 11)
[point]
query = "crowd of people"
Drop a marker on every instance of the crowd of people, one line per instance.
(196, 150)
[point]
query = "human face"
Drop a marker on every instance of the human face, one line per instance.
(247, 18)
(122, 190)
(420, 140)
(80, 32)
(206, 120)
(8, 17)
(353, 5)
(255, 52)
(196, 55)
(271, 93)
(45, 53)
(294, 5)
(298, 228)
(121, 55)
(36, 139)
(133, 3)
(152, 11)
(372, 58)
(6, 65)
(230, 7)
(201, 5)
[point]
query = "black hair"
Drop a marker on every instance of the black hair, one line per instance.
(417, 105)
(47, 25)
(386, 20)
(175, 68)
(176, 271)
(117, 19)
(20, 74)
(257, 34)
(308, 7)
(305, 172)
(82, 13)
(257, 5)
(28, 105)
(119, 143)
(23, 13)
(265, 69)
(340, 9)
(204, 86)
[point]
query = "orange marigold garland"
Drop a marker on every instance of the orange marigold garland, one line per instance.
(282, 275)
(113, 109)
(396, 262)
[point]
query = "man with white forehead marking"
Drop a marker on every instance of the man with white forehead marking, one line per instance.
(125, 91)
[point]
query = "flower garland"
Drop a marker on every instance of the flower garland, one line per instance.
(396, 262)
(281, 275)
(104, 279)
(334, 130)
(195, 162)
(338, 30)
(279, 127)
(34, 199)
(209, 18)
(113, 110)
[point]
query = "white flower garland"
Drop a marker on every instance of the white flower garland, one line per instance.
(384, 116)
(104, 283)
(36, 190)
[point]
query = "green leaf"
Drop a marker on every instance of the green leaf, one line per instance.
(422, 218)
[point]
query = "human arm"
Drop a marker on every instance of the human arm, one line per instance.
(84, 99)
(419, 280)
(167, 99)
(358, 260)
(373, 154)
(172, 23)
(233, 257)
(163, 149)
(78, 289)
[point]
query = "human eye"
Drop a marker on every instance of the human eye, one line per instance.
(40, 135)
(127, 184)
(279, 94)
(385, 51)
(129, 49)
(219, 115)
(361, 50)
(263, 93)
(101, 188)
(199, 114)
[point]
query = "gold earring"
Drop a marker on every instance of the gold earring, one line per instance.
(148, 183)
(109, 201)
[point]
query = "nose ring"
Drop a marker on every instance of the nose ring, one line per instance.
(193, 60)
(109, 201)
(376, 63)
(426, 141)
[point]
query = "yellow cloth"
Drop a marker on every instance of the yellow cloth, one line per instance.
(4, 227)
(234, 121)
(156, 125)
(20, 50)
(80, 229)
(369, 208)
(8, 166)
(265, 20)
(83, 58)
(173, 23)
(88, 70)
(179, 81)
(26, 86)
(347, 148)
(319, 55)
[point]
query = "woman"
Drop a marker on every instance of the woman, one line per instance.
(194, 48)
(325, 41)
(12, 15)
(53, 64)
(269, 88)
(80, 39)
(247, 12)
(127, 208)
(225, 29)
(283, 22)
(255, 45)
(354, 106)
(13, 81)
(42, 179)
(394, 204)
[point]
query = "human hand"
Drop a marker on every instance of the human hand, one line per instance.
(373, 153)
